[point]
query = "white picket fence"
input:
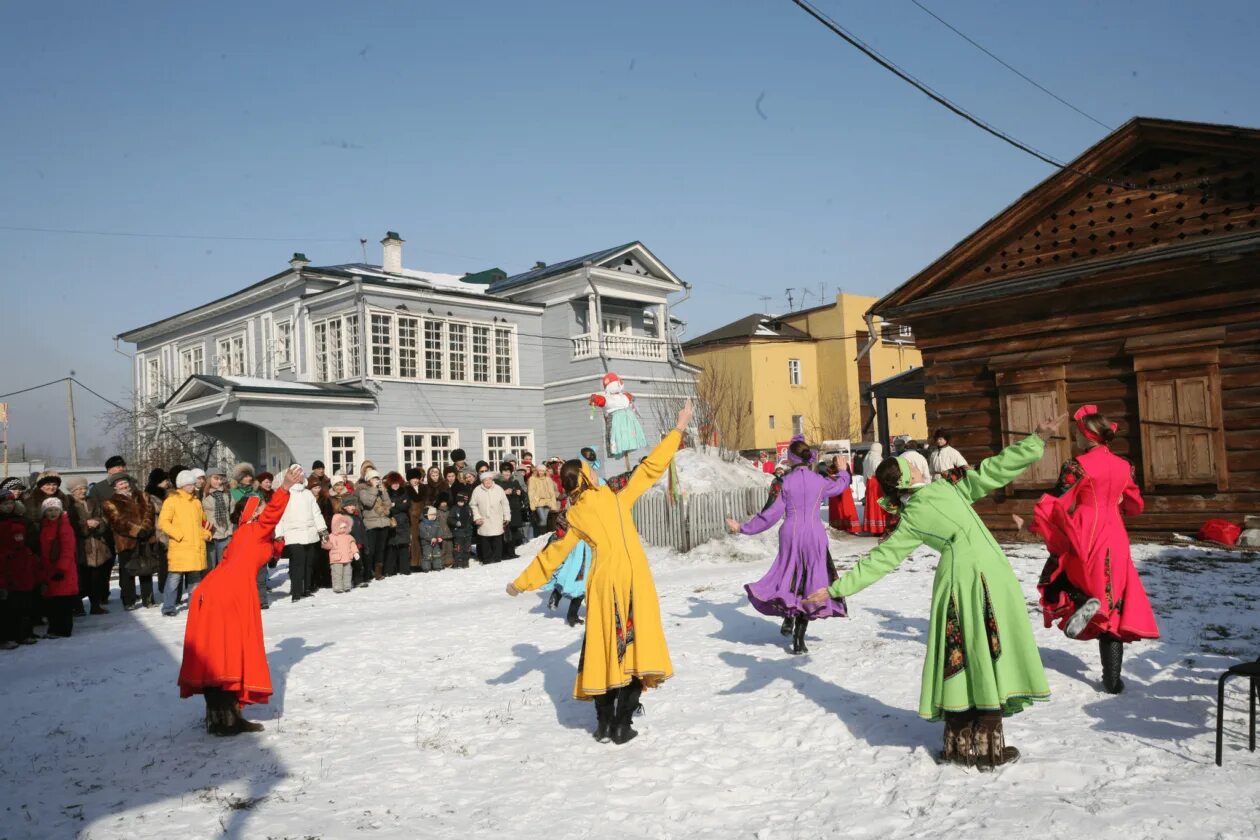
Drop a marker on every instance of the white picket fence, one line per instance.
(696, 518)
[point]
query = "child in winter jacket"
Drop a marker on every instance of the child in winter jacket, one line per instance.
(343, 551)
(61, 571)
(434, 534)
(19, 569)
(460, 522)
(359, 571)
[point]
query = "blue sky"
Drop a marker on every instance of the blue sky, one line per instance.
(747, 146)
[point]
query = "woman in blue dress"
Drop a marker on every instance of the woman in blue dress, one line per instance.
(569, 581)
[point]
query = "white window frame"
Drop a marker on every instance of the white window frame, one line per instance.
(186, 357)
(771, 421)
(282, 345)
(620, 324)
(153, 378)
(526, 446)
(360, 448)
(336, 357)
(452, 356)
(794, 372)
(223, 362)
(798, 424)
(429, 450)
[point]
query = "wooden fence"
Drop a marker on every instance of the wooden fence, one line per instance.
(695, 518)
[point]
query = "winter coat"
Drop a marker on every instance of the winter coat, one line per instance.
(516, 499)
(129, 517)
(624, 636)
(57, 549)
(20, 566)
(242, 490)
(183, 519)
(943, 459)
(400, 512)
(342, 546)
(542, 493)
(218, 507)
(491, 506)
(223, 640)
(302, 521)
(375, 504)
(460, 521)
(433, 529)
(33, 502)
(91, 548)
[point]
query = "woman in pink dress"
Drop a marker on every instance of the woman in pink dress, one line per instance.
(1090, 585)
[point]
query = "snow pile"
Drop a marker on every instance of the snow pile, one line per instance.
(436, 706)
(702, 471)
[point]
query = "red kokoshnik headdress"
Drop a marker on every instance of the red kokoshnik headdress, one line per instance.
(1080, 415)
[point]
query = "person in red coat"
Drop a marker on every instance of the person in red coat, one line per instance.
(61, 570)
(21, 570)
(224, 656)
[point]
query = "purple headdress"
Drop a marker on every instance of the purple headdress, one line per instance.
(792, 459)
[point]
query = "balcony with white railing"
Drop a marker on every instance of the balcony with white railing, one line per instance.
(619, 346)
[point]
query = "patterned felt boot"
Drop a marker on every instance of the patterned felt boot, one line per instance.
(1112, 651)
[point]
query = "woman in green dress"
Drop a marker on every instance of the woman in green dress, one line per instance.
(982, 663)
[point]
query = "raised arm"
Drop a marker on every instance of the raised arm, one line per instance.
(836, 486)
(271, 514)
(545, 564)
(766, 518)
(1002, 468)
(886, 557)
(652, 467)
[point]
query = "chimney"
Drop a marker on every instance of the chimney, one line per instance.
(392, 260)
(299, 262)
(539, 264)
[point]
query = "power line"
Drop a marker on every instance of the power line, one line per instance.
(984, 126)
(136, 235)
(58, 382)
(1030, 81)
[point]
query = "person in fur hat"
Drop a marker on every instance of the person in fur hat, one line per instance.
(133, 524)
(61, 573)
(19, 568)
(91, 550)
(242, 481)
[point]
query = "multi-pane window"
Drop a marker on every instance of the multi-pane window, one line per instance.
(501, 444)
(481, 354)
(798, 424)
(794, 371)
(457, 346)
(282, 344)
(192, 361)
(344, 446)
(424, 449)
(153, 379)
(433, 349)
(382, 345)
(230, 355)
(408, 347)
(503, 356)
(336, 344)
(614, 325)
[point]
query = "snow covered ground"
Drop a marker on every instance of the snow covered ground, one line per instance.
(436, 706)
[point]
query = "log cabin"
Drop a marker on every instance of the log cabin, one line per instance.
(1129, 279)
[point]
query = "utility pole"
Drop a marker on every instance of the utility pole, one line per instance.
(74, 442)
(788, 292)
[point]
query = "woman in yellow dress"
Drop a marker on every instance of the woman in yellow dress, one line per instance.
(624, 650)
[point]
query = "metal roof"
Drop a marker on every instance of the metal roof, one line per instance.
(558, 268)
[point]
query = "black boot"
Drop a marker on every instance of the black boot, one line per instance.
(627, 705)
(798, 638)
(572, 619)
(604, 708)
(554, 600)
(788, 624)
(1111, 650)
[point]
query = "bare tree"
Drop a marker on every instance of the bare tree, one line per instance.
(723, 403)
(833, 418)
(148, 438)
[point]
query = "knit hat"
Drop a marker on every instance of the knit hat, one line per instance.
(371, 474)
(340, 519)
(461, 497)
(185, 479)
(48, 477)
(115, 461)
(265, 476)
(49, 503)
(458, 455)
(76, 482)
(480, 465)
(198, 472)
(218, 471)
(468, 473)
(318, 465)
(12, 486)
(117, 477)
(430, 511)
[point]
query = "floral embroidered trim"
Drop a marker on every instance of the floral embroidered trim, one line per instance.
(1111, 604)
(990, 623)
(1069, 476)
(625, 634)
(955, 657)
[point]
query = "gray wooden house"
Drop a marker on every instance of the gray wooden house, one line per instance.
(350, 362)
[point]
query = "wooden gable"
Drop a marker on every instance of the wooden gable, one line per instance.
(1110, 202)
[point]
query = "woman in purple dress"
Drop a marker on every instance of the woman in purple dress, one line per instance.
(803, 562)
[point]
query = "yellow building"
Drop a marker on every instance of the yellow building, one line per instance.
(767, 378)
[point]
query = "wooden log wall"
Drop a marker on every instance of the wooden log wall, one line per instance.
(1089, 323)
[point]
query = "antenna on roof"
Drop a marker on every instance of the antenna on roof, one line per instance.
(363, 245)
(765, 303)
(788, 292)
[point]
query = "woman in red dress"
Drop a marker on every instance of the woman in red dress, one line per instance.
(1090, 585)
(224, 656)
(842, 510)
(874, 519)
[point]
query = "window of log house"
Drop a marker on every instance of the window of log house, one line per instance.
(1029, 391)
(1179, 408)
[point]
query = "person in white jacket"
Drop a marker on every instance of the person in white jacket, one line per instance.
(302, 527)
(492, 515)
(944, 457)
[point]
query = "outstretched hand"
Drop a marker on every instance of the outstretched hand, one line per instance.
(817, 598)
(684, 416)
(293, 476)
(733, 526)
(512, 590)
(1047, 429)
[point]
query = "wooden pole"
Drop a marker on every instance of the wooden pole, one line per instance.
(74, 441)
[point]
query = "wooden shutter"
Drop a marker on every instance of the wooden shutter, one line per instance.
(1021, 414)
(1195, 432)
(1163, 449)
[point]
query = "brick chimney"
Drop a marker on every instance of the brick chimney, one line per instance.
(392, 259)
(299, 262)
